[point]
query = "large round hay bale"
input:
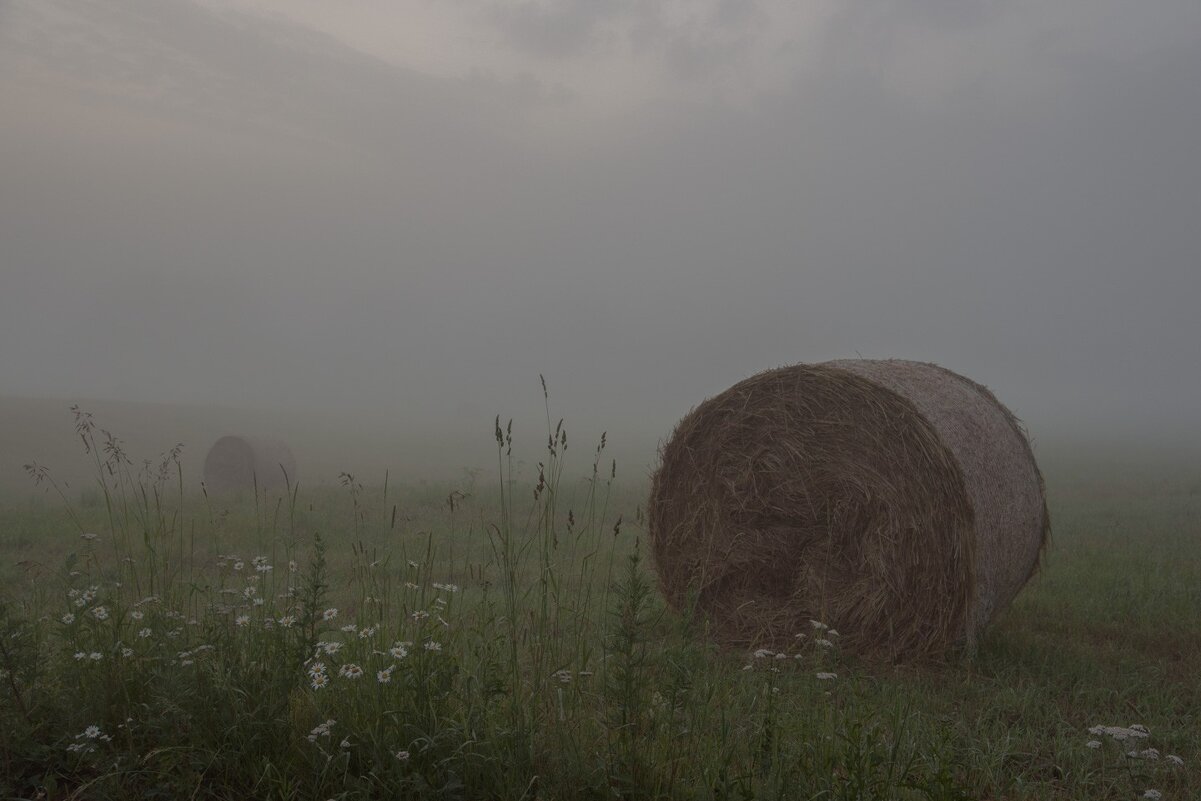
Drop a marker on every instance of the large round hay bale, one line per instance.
(238, 462)
(896, 501)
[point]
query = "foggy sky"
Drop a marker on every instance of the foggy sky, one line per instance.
(409, 210)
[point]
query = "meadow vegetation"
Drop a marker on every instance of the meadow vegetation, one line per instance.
(504, 638)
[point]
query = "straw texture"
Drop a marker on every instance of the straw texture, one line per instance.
(896, 501)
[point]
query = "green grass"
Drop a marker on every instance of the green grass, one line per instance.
(538, 660)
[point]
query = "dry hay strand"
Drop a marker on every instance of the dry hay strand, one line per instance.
(238, 463)
(896, 501)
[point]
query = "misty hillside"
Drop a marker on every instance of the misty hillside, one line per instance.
(42, 430)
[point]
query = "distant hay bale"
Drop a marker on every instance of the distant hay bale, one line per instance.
(896, 501)
(237, 462)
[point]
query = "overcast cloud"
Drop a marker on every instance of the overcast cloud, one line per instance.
(415, 208)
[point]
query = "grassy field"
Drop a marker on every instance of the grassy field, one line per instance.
(503, 638)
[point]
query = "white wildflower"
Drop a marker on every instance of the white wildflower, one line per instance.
(826, 676)
(287, 621)
(817, 624)
(321, 730)
(350, 628)
(137, 614)
(432, 645)
(384, 676)
(564, 676)
(350, 671)
(1094, 744)
(95, 656)
(329, 614)
(345, 742)
(292, 566)
(91, 732)
(89, 536)
(420, 615)
(368, 632)
(399, 651)
(1175, 760)
(80, 655)
(238, 565)
(319, 680)
(1136, 731)
(762, 652)
(242, 620)
(100, 613)
(403, 756)
(1152, 795)
(68, 618)
(144, 633)
(127, 652)
(824, 643)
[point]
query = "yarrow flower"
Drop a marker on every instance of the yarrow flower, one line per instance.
(826, 676)
(1175, 760)
(1152, 795)
(1151, 754)
(1094, 744)
(1133, 732)
(321, 730)
(817, 624)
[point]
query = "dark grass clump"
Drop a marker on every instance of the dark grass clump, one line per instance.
(895, 501)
